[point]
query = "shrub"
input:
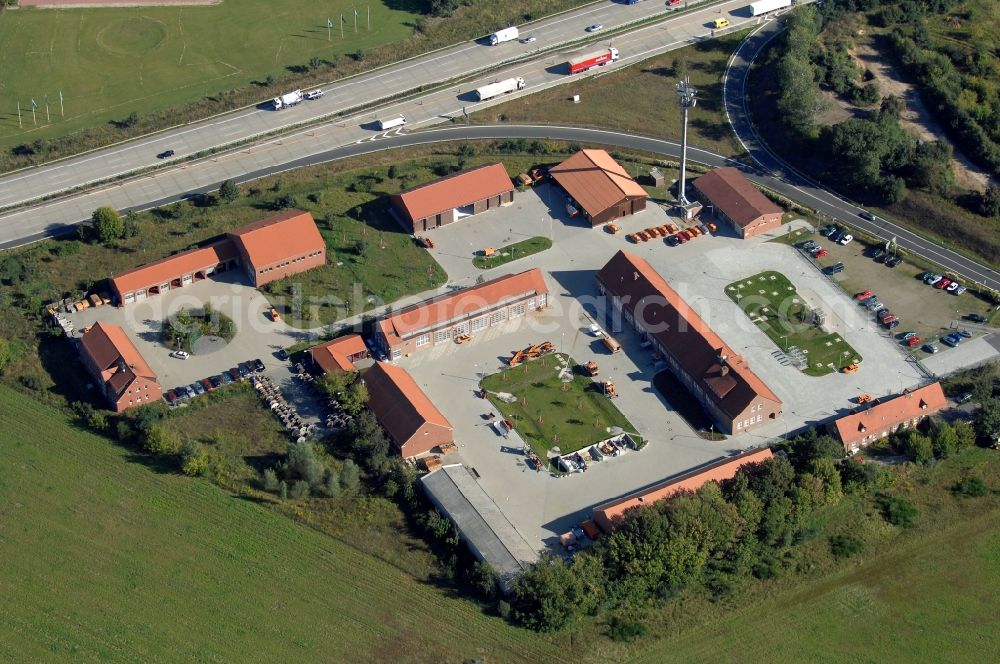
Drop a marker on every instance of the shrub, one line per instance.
(193, 458)
(350, 476)
(108, 224)
(271, 482)
(299, 490)
(625, 629)
(283, 490)
(971, 487)
(845, 546)
(228, 191)
(161, 440)
(897, 511)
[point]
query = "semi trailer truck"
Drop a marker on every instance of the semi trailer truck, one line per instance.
(290, 99)
(765, 6)
(498, 88)
(591, 60)
(501, 36)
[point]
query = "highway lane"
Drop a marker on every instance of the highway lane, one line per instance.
(800, 187)
(356, 92)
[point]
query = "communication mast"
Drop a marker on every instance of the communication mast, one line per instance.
(688, 99)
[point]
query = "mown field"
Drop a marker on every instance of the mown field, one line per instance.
(655, 112)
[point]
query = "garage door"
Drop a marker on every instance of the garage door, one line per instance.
(186, 279)
(141, 295)
(129, 298)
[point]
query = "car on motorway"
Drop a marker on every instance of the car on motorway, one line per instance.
(314, 94)
(528, 39)
(894, 261)
(975, 318)
(180, 354)
(930, 348)
(932, 279)
(942, 283)
(865, 214)
(165, 154)
(845, 239)
(596, 27)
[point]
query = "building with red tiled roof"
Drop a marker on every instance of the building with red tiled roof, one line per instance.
(114, 362)
(599, 186)
(440, 319)
(279, 246)
(447, 200)
(879, 419)
(405, 411)
(608, 515)
(173, 272)
(341, 354)
(737, 202)
(722, 381)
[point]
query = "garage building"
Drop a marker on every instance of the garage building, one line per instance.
(440, 319)
(279, 246)
(117, 366)
(722, 381)
(405, 411)
(608, 515)
(449, 199)
(176, 271)
(599, 186)
(737, 202)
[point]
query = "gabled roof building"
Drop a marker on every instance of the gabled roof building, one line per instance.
(599, 186)
(722, 381)
(279, 246)
(412, 421)
(340, 355)
(737, 202)
(451, 198)
(879, 419)
(113, 361)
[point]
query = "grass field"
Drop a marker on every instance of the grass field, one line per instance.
(773, 304)
(552, 413)
(512, 252)
(655, 112)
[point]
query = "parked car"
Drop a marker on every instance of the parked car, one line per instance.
(845, 239)
(912, 342)
(951, 340)
(235, 374)
(889, 320)
(595, 330)
(881, 256)
(863, 295)
(827, 230)
(244, 369)
(932, 279)
(908, 335)
(808, 245)
(672, 240)
(975, 318)
(182, 392)
(227, 378)
(816, 249)
(894, 261)
(959, 290)
(930, 348)
(282, 355)
(883, 314)
(180, 354)
(942, 283)
(216, 381)
(171, 398)
(703, 228)
(892, 324)
(681, 238)
(874, 304)
(835, 235)
(257, 365)
(207, 384)
(197, 389)
(965, 333)
(835, 268)
(821, 253)
(964, 397)
(953, 286)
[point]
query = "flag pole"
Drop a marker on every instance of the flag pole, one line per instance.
(62, 111)
(33, 106)
(19, 125)
(341, 26)
(329, 25)
(47, 119)
(369, 17)
(355, 21)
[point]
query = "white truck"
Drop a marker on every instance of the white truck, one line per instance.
(389, 123)
(501, 36)
(498, 88)
(765, 6)
(290, 99)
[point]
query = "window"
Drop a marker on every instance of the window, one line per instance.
(423, 340)
(517, 310)
(396, 353)
(442, 335)
(498, 317)
(531, 303)
(739, 425)
(478, 324)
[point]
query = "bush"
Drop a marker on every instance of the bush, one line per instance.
(271, 482)
(971, 487)
(845, 546)
(161, 440)
(193, 458)
(299, 490)
(108, 224)
(350, 476)
(897, 511)
(625, 629)
(228, 191)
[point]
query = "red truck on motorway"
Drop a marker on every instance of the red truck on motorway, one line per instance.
(591, 60)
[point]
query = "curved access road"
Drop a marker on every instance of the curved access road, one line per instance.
(804, 189)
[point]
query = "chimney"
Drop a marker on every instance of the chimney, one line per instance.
(635, 276)
(725, 370)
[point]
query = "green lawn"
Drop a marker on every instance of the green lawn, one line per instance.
(654, 112)
(773, 304)
(108, 559)
(512, 252)
(550, 412)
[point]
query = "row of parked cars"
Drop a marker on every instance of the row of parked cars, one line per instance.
(941, 282)
(196, 389)
(871, 302)
(837, 234)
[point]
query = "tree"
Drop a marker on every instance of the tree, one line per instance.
(130, 224)
(545, 597)
(229, 191)
(299, 490)
(194, 461)
(332, 485)
(350, 476)
(827, 472)
(283, 490)
(944, 442)
(108, 224)
(271, 482)
(161, 440)
(393, 172)
(302, 463)
(918, 446)
(988, 420)
(6, 354)
(965, 435)
(989, 202)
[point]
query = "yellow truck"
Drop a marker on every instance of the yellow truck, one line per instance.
(611, 344)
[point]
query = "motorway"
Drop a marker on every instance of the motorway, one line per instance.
(804, 189)
(366, 90)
